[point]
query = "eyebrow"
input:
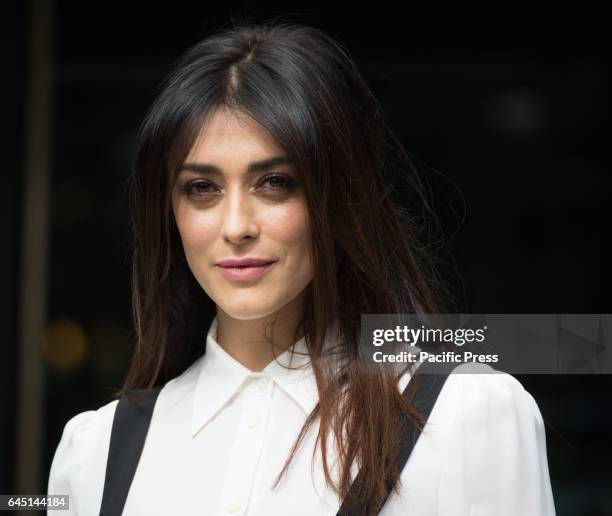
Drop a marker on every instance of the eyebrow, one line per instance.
(255, 166)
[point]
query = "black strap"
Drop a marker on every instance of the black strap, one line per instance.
(131, 423)
(431, 379)
(130, 427)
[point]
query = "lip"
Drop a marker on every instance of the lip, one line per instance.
(244, 269)
(245, 262)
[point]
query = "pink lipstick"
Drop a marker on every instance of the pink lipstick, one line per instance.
(244, 268)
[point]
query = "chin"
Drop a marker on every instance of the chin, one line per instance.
(248, 309)
(247, 315)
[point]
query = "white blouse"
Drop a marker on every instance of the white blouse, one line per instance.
(220, 433)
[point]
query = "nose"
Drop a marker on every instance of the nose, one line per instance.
(239, 217)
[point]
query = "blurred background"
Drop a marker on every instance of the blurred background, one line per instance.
(506, 112)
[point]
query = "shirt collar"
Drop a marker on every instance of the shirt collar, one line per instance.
(221, 376)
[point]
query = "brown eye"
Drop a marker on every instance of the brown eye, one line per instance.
(279, 182)
(198, 188)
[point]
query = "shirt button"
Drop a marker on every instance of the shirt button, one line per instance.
(252, 420)
(233, 506)
(263, 383)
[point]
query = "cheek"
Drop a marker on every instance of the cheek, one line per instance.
(197, 229)
(288, 226)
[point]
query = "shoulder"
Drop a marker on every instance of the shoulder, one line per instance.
(78, 467)
(85, 440)
(79, 461)
(475, 391)
(78, 431)
(484, 394)
(491, 438)
(486, 410)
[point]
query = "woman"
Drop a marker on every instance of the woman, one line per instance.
(264, 226)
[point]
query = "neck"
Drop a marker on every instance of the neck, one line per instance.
(255, 342)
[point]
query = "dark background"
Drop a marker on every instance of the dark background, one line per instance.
(506, 112)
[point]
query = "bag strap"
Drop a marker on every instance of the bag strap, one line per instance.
(130, 427)
(431, 379)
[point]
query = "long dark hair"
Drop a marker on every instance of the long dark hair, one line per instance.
(303, 87)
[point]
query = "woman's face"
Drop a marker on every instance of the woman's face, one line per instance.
(230, 205)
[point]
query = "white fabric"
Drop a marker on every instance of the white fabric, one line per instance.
(220, 434)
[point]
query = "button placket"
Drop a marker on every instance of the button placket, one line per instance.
(263, 384)
(261, 389)
(252, 420)
(248, 446)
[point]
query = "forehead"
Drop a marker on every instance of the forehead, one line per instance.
(225, 134)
